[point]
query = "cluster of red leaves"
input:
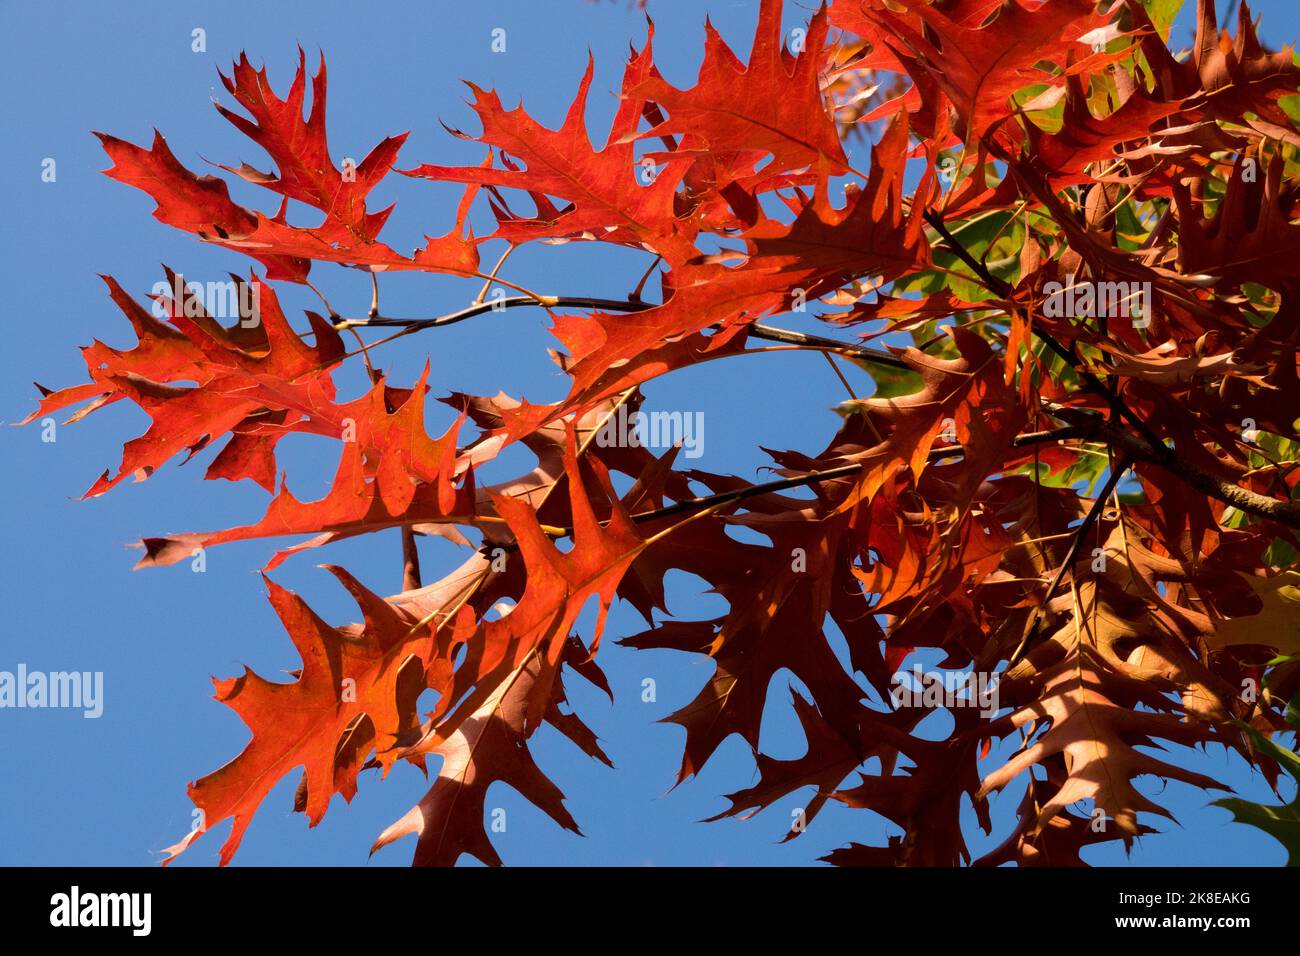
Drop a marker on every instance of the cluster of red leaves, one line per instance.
(1056, 143)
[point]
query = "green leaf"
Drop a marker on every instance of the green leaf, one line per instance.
(1162, 14)
(1282, 823)
(1280, 554)
(892, 382)
(1082, 474)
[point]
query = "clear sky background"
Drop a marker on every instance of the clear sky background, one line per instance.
(112, 790)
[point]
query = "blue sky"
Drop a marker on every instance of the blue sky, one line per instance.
(112, 790)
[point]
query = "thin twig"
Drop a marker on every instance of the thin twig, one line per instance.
(813, 477)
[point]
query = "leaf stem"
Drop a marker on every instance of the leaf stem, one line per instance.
(410, 560)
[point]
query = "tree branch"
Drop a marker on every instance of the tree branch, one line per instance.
(1147, 448)
(757, 330)
(1243, 499)
(1080, 424)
